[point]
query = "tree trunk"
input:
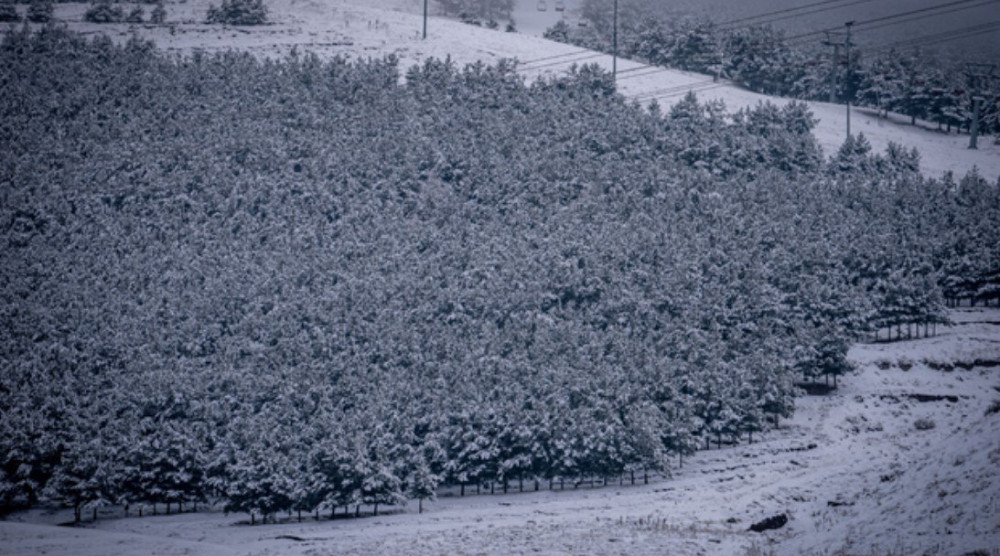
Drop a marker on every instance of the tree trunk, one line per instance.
(375, 513)
(77, 511)
(253, 520)
(420, 505)
(300, 516)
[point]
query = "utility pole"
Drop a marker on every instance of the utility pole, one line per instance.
(836, 40)
(976, 73)
(847, 76)
(833, 65)
(614, 47)
(425, 19)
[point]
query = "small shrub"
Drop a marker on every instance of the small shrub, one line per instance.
(923, 424)
(135, 16)
(40, 11)
(492, 24)
(511, 27)
(159, 14)
(905, 363)
(8, 13)
(993, 408)
(104, 12)
(238, 12)
(883, 364)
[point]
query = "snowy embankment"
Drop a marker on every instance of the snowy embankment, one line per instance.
(354, 28)
(901, 459)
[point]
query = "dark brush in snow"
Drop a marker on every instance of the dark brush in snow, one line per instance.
(773, 522)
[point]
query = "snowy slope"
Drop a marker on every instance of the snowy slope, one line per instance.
(895, 488)
(374, 29)
(852, 471)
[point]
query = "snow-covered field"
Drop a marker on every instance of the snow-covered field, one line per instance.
(355, 28)
(854, 472)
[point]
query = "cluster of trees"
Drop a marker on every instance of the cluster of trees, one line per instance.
(39, 11)
(313, 285)
(238, 12)
(104, 11)
(762, 59)
(488, 10)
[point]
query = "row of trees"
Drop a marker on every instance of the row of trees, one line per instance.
(312, 285)
(39, 11)
(762, 59)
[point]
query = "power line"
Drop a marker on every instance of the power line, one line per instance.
(573, 61)
(793, 16)
(898, 15)
(920, 10)
(554, 56)
(701, 89)
(674, 89)
(936, 38)
(925, 16)
(780, 12)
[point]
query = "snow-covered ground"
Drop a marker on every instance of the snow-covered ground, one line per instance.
(356, 28)
(853, 471)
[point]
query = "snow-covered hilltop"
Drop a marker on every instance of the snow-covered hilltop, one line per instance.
(355, 28)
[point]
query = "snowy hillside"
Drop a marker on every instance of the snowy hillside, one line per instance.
(356, 28)
(460, 315)
(901, 460)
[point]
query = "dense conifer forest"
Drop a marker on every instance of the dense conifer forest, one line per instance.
(316, 285)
